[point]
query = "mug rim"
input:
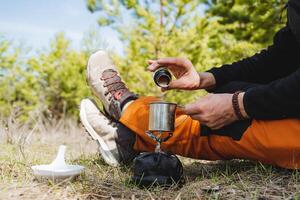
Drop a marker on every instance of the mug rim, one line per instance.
(163, 102)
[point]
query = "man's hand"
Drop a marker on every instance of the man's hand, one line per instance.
(213, 110)
(186, 76)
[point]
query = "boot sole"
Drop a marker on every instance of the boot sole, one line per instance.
(104, 150)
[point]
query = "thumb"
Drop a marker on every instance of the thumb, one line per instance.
(175, 84)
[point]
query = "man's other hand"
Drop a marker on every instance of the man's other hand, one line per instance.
(213, 110)
(186, 76)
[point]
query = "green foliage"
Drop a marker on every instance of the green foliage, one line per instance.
(251, 20)
(61, 77)
(18, 84)
(51, 82)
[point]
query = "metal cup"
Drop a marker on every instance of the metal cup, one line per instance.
(162, 116)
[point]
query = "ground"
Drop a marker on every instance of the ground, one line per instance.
(22, 146)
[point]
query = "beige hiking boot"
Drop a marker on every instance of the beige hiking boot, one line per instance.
(115, 140)
(106, 84)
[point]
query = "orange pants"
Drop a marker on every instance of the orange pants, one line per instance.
(274, 142)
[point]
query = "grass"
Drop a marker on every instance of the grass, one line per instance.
(24, 145)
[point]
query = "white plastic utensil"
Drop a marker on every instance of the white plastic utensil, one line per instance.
(58, 169)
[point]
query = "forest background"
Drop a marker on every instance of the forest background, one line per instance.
(52, 82)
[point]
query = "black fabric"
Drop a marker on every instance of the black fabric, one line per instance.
(234, 130)
(234, 86)
(294, 17)
(277, 68)
(157, 169)
(125, 142)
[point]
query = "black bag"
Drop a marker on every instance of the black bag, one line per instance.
(157, 169)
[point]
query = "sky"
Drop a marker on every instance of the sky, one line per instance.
(35, 22)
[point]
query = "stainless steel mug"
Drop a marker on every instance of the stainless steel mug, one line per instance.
(162, 116)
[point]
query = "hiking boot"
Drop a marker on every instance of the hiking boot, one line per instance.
(115, 140)
(106, 84)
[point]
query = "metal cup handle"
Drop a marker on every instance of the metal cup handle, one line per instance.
(182, 118)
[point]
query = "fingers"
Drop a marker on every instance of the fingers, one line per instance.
(192, 109)
(214, 125)
(153, 65)
(163, 89)
(200, 118)
(171, 61)
(175, 84)
(166, 62)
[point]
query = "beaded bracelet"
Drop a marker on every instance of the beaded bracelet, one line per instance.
(236, 106)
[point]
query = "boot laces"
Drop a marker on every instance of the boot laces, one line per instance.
(115, 86)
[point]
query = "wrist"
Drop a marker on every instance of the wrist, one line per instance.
(207, 80)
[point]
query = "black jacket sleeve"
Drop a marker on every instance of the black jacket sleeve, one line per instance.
(278, 100)
(277, 61)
